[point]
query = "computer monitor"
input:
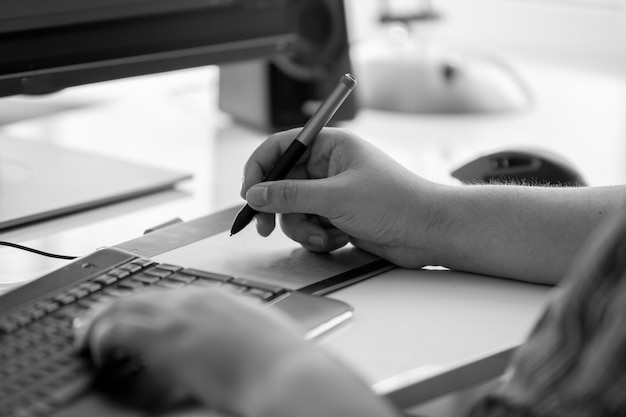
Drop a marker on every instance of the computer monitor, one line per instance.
(47, 46)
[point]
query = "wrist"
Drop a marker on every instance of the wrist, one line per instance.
(432, 223)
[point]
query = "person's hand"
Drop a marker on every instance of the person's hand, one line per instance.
(214, 345)
(344, 190)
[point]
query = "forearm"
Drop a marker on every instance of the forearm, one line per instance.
(310, 383)
(527, 233)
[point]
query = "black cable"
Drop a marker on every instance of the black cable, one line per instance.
(38, 252)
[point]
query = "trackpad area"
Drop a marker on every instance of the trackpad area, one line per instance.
(275, 259)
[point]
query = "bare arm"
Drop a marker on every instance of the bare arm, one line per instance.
(520, 232)
(361, 195)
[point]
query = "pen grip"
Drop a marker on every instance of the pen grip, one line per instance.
(288, 160)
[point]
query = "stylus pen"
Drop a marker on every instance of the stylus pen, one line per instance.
(300, 144)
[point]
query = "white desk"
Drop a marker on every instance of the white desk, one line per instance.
(172, 120)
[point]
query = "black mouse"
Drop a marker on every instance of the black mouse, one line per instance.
(520, 167)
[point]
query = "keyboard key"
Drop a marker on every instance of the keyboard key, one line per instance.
(106, 279)
(187, 279)
(206, 275)
(23, 319)
(252, 297)
(206, 283)
(261, 294)
(260, 285)
(132, 268)
(90, 287)
(48, 306)
(146, 279)
(8, 326)
(119, 273)
(36, 313)
(158, 272)
(142, 262)
(64, 299)
(78, 293)
(173, 268)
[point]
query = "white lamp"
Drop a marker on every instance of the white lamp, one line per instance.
(406, 71)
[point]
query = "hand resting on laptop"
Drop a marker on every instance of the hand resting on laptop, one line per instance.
(225, 352)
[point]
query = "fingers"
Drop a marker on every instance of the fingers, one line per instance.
(149, 324)
(312, 233)
(264, 157)
(116, 333)
(294, 196)
(258, 165)
(314, 185)
(208, 343)
(265, 223)
(133, 324)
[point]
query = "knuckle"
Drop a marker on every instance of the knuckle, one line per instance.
(290, 194)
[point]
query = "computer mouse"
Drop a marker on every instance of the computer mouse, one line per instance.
(531, 166)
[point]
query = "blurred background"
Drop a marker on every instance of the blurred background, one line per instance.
(547, 74)
(441, 83)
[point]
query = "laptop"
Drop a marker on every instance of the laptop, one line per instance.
(41, 375)
(33, 188)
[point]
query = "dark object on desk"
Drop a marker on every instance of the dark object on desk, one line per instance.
(521, 167)
(285, 91)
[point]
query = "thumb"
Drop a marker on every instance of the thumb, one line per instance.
(292, 196)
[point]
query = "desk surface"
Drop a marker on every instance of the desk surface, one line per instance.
(415, 334)
(172, 121)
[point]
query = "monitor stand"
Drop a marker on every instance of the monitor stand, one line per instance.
(39, 181)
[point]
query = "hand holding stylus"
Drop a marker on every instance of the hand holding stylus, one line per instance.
(344, 190)
(300, 144)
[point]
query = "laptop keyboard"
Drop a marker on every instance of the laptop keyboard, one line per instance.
(40, 370)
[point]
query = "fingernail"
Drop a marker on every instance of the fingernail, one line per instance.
(316, 240)
(257, 196)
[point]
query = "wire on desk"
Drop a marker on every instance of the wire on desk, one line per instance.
(38, 252)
